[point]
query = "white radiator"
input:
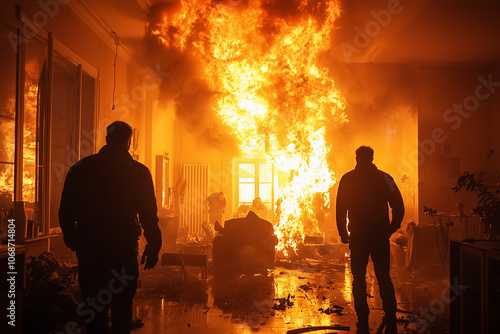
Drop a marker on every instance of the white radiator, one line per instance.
(193, 212)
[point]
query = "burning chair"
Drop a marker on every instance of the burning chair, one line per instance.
(246, 245)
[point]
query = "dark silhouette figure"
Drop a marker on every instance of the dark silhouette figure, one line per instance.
(363, 198)
(106, 199)
(216, 207)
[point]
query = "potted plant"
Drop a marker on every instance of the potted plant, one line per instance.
(487, 188)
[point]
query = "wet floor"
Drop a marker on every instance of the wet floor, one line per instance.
(304, 294)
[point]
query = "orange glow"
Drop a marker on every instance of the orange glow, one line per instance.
(272, 92)
(7, 129)
(31, 102)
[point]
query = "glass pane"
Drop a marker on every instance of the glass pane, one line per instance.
(246, 192)
(7, 144)
(6, 185)
(246, 173)
(266, 192)
(64, 136)
(6, 194)
(35, 103)
(8, 64)
(8, 61)
(265, 173)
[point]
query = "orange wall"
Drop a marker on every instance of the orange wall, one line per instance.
(464, 138)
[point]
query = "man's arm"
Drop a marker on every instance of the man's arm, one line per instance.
(148, 217)
(397, 206)
(341, 213)
(67, 210)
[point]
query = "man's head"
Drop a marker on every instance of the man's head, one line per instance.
(119, 133)
(364, 155)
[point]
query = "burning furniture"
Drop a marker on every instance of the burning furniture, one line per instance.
(245, 245)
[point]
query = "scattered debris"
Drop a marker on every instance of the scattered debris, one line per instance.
(283, 303)
(306, 287)
(332, 309)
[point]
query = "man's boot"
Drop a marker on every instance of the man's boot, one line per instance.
(391, 325)
(362, 326)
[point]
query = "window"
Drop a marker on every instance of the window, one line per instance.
(72, 121)
(48, 111)
(32, 120)
(255, 178)
(8, 61)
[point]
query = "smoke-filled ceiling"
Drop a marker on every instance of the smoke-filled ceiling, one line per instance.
(423, 30)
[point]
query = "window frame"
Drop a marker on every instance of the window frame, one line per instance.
(13, 28)
(25, 29)
(256, 162)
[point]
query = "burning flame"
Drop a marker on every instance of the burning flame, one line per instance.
(7, 150)
(30, 147)
(271, 91)
(30, 143)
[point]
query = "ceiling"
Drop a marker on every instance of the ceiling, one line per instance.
(408, 31)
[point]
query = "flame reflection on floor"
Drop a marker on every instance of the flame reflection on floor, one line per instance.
(251, 304)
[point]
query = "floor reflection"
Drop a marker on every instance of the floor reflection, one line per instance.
(292, 296)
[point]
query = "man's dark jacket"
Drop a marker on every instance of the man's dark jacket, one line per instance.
(364, 194)
(105, 197)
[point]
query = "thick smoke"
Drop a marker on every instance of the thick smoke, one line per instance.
(186, 84)
(379, 97)
(381, 102)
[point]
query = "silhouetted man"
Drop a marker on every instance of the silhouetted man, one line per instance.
(106, 199)
(363, 197)
(216, 207)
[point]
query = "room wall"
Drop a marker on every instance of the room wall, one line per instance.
(456, 131)
(494, 124)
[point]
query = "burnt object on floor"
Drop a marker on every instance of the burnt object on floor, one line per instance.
(245, 245)
(283, 303)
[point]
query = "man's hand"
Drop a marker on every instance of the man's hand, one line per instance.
(150, 257)
(344, 239)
